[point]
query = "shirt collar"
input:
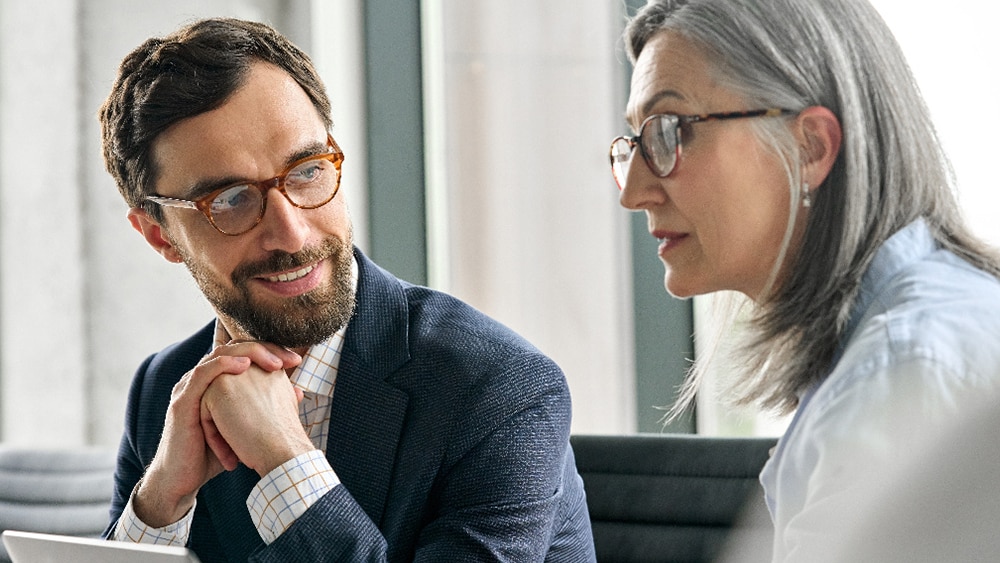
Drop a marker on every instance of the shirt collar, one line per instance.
(908, 245)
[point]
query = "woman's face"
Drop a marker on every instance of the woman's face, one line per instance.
(721, 214)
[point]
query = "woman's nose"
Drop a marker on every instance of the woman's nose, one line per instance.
(642, 189)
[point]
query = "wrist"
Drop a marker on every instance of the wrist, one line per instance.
(156, 508)
(279, 456)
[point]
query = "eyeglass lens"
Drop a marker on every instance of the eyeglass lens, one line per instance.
(309, 185)
(657, 142)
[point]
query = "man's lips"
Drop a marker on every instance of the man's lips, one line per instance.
(292, 283)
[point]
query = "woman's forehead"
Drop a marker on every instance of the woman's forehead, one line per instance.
(673, 75)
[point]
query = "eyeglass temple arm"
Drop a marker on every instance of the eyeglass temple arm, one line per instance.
(172, 202)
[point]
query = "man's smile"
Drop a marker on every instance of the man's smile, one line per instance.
(291, 276)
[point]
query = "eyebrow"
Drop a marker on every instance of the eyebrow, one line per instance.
(655, 99)
(209, 185)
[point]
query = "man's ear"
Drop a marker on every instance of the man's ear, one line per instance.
(152, 231)
(820, 135)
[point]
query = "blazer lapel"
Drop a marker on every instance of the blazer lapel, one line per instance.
(368, 412)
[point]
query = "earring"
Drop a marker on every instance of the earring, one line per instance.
(806, 195)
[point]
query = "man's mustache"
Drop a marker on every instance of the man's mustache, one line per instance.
(279, 261)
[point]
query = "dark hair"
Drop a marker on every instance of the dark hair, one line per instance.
(891, 169)
(189, 72)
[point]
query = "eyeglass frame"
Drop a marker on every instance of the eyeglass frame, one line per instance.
(203, 203)
(681, 120)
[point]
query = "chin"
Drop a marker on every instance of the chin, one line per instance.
(677, 290)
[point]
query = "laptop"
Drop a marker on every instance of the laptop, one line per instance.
(32, 547)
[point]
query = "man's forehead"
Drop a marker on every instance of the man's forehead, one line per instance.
(263, 126)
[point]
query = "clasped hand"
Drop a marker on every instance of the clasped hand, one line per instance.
(236, 405)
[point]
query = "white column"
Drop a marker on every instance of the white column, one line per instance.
(529, 97)
(337, 51)
(43, 374)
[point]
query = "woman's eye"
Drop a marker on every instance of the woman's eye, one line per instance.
(687, 132)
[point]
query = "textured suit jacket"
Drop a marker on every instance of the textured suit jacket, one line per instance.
(449, 432)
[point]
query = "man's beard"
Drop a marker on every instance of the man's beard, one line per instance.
(295, 322)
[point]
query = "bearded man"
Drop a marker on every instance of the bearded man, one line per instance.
(330, 412)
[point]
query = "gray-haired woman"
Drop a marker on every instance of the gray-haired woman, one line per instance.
(782, 151)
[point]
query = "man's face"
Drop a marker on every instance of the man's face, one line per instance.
(288, 280)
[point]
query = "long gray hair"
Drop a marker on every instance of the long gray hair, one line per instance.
(891, 170)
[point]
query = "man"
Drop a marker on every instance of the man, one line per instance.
(331, 412)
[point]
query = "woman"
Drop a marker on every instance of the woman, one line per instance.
(782, 151)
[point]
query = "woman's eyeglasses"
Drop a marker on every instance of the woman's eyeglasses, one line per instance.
(307, 183)
(659, 140)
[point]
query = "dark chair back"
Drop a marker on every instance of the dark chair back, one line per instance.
(57, 491)
(668, 497)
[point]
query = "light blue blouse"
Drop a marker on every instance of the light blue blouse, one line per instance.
(922, 347)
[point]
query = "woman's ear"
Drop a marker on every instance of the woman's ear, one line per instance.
(819, 134)
(153, 232)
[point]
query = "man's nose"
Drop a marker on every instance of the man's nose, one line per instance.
(284, 226)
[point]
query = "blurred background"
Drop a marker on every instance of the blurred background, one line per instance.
(475, 135)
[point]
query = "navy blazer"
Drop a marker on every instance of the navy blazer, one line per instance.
(449, 432)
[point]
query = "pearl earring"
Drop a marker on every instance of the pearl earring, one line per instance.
(806, 195)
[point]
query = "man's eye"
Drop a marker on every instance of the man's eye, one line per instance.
(307, 172)
(235, 197)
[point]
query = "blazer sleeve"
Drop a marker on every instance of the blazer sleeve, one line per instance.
(146, 410)
(130, 466)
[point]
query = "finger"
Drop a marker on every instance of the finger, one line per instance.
(289, 358)
(216, 443)
(267, 355)
(257, 352)
(202, 376)
(220, 448)
(187, 393)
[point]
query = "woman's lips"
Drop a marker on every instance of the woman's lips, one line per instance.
(668, 240)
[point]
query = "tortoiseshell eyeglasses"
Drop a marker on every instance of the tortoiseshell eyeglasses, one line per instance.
(659, 140)
(307, 183)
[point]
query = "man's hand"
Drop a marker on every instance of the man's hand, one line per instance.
(184, 459)
(253, 417)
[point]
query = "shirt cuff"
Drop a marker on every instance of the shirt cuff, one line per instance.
(285, 493)
(131, 529)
